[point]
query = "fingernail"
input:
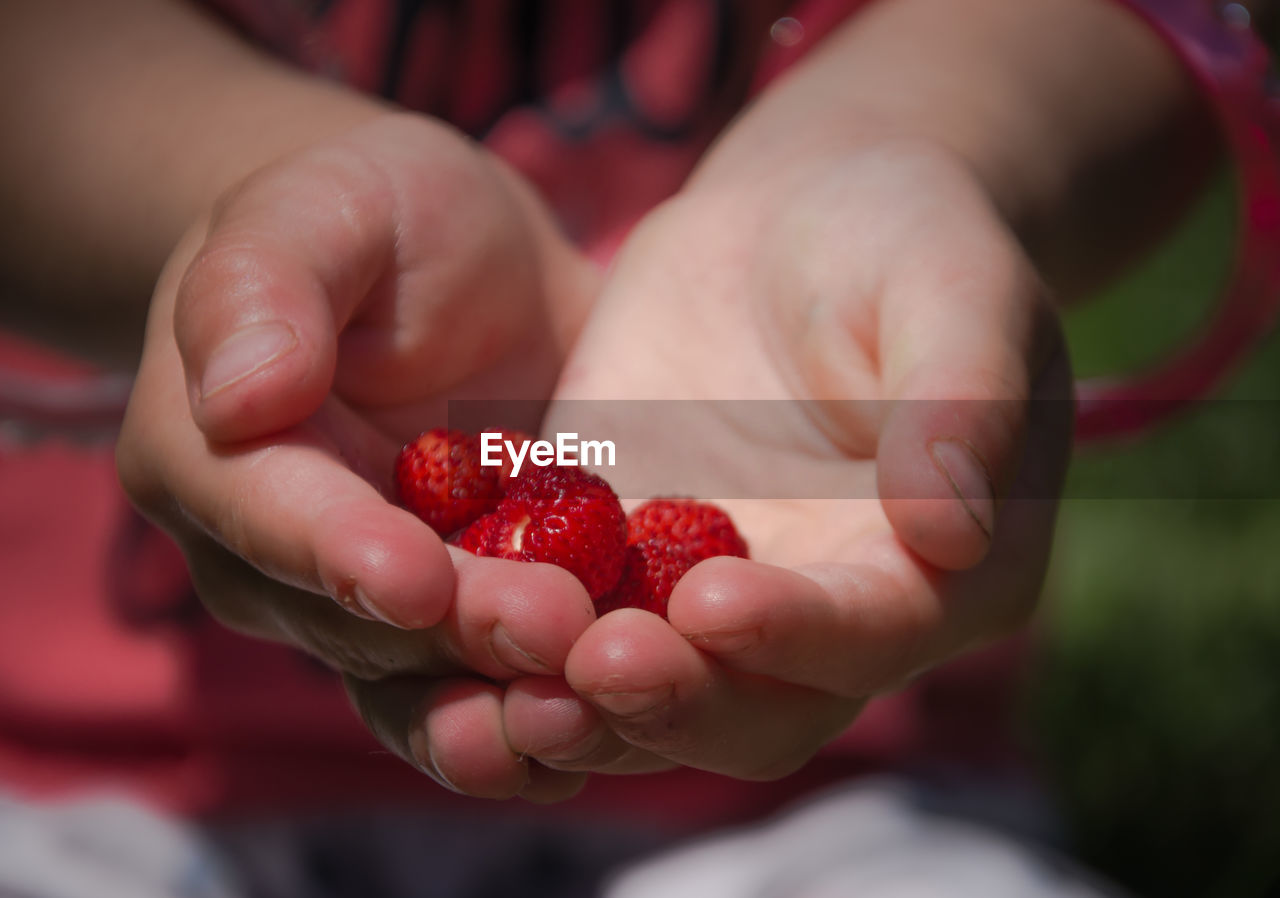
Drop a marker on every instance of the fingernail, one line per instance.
(571, 749)
(634, 704)
(422, 757)
(347, 598)
(507, 653)
(244, 352)
(726, 642)
(351, 597)
(969, 480)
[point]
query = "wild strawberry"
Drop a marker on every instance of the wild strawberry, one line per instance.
(665, 538)
(649, 574)
(440, 479)
(700, 528)
(559, 515)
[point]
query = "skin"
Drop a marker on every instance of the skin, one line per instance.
(853, 241)
(883, 253)
(848, 597)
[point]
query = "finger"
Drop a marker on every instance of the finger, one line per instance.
(306, 526)
(270, 530)
(963, 341)
(304, 509)
(449, 729)
(281, 268)
(661, 694)
(291, 508)
(497, 607)
(545, 719)
(242, 599)
(867, 626)
(511, 618)
(882, 616)
(775, 622)
(359, 266)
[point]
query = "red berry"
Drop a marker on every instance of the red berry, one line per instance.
(700, 528)
(440, 479)
(559, 515)
(649, 575)
(665, 538)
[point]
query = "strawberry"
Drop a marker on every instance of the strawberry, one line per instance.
(440, 479)
(700, 528)
(559, 515)
(665, 538)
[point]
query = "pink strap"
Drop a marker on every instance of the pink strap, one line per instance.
(1232, 67)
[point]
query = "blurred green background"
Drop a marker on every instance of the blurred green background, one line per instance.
(1155, 705)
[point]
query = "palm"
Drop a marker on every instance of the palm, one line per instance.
(740, 419)
(818, 350)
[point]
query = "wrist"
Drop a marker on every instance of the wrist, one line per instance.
(1072, 114)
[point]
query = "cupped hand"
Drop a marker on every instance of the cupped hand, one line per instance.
(315, 321)
(908, 465)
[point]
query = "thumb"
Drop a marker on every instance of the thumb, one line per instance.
(284, 260)
(961, 371)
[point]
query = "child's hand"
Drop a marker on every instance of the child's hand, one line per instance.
(883, 276)
(297, 338)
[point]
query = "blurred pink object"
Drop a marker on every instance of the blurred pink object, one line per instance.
(1232, 67)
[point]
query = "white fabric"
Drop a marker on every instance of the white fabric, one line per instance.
(873, 840)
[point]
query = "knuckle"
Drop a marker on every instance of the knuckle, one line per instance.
(227, 271)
